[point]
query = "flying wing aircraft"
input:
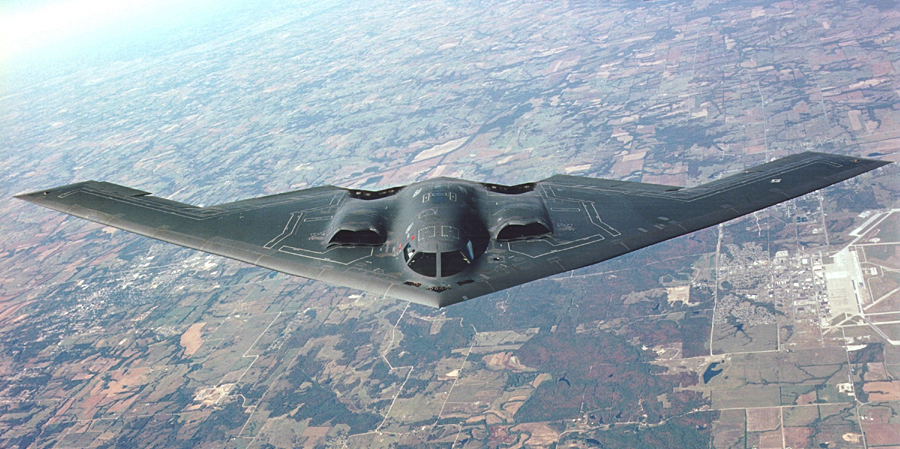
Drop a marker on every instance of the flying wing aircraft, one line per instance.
(442, 241)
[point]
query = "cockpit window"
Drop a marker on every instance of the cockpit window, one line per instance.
(453, 263)
(424, 263)
(408, 252)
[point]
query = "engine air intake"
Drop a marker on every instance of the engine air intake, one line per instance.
(365, 237)
(522, 232)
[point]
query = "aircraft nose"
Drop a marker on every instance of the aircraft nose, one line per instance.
(440, 259)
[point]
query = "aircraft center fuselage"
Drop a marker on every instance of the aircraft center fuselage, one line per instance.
(442, 232)
(442, 227)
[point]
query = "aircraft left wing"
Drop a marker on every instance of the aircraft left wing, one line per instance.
(282, 232)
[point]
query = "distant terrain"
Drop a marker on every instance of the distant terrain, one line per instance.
(775, 330)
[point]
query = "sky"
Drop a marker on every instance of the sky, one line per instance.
(40, 39)
(29, 29)
(33, 26)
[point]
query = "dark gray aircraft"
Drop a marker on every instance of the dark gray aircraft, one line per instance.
(443, 241)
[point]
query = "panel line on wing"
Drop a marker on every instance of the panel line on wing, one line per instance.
(558, 248)
(599, 223)
(289, 229)
(727, 184)
(185, 210)
(321, 255)
(701, 191)
(188, 211)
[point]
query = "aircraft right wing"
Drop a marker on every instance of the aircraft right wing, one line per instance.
(598, 219)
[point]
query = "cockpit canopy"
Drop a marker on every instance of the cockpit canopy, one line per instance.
(439, 264)
(444, 230)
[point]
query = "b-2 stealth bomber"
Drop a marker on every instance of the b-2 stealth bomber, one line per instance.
(442, 241)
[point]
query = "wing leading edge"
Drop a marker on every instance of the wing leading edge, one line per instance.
(592, 219)
(257, 231)
(691, 209)
(598, 219)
